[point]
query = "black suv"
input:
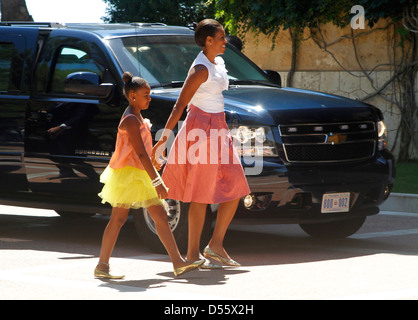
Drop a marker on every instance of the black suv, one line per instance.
(310, 158)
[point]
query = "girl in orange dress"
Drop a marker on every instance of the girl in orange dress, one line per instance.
(131, 181)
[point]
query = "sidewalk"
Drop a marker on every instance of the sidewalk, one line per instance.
(401, 202)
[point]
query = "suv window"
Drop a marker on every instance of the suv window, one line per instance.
(10, 67)
(166, 59)
(72, 60)
(6, 53)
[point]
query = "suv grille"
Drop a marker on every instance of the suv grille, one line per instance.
(330, 142)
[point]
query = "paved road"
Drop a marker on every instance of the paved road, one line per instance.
(43, 256)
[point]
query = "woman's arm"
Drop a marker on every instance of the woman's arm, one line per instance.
(130, 124)
(197, 76)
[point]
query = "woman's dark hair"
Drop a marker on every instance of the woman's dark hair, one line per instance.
(132, 83)
(206, 28)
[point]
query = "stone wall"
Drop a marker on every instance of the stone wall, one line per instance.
(319, 70)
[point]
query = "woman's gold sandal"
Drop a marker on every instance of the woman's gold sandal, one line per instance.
(106, 275)
(209, 253)
(208, 265)
(188, 268)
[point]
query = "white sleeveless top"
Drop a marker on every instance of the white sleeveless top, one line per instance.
(209, 97)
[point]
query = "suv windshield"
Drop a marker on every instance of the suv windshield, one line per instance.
(165, 60)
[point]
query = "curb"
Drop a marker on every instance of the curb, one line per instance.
(401, 202)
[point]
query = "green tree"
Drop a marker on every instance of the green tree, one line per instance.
(271, 16)
(268, 16)
(166, 11)
(14, 10)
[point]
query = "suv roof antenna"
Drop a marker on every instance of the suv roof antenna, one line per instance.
(148, 24)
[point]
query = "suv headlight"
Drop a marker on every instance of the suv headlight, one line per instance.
(381, 136)
(254, 141)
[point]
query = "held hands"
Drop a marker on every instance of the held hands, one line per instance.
(162, 191)
(160, 187)
(158, 156)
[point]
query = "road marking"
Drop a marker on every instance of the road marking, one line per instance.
(26, 211)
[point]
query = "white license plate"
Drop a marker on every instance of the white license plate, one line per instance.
(335, 202)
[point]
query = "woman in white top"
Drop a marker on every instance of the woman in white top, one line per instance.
(203, 166)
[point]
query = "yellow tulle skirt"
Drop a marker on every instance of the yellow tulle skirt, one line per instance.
(128, 188)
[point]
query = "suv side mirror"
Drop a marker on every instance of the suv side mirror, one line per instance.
(274, 77)
(87, 83)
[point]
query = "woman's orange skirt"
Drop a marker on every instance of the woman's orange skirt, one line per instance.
(203, 165)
